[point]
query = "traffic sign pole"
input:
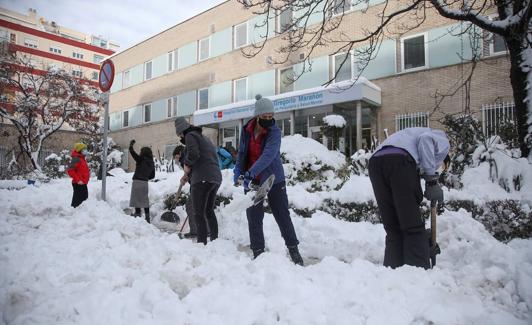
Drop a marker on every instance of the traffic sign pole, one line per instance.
(104, 157)
(105, 81)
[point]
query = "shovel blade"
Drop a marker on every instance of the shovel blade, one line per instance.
(263, 190)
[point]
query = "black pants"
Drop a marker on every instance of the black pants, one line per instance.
(278, 202)
(396, 185)
(81, 193)
(203, 199)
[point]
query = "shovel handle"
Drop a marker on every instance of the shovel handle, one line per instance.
(433, 215)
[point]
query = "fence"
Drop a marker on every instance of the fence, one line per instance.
(495, 115)
(409, 120)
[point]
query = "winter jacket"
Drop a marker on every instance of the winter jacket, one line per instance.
(145, 168)
(78, 169)
(269, 161)
(225, 159)
(428, 147)
(200, 154)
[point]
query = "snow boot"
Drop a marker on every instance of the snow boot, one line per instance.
(295, 256)
(190, 235)
(148, 218)
(257, 252)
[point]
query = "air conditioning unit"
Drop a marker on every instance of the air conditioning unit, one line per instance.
(301, 56)
(269, 60)
(212, 77)
(212, 28)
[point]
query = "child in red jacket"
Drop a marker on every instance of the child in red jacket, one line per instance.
(78, 170)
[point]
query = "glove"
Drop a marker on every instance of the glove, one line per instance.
(132, 143)
(236, 174)
(247, 181)
(433, 191)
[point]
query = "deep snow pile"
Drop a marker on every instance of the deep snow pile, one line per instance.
(97, 265)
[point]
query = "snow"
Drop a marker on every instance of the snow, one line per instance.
(98, 265)
(334, 120)
(313, 152)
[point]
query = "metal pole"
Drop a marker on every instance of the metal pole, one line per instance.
(359, 124)
(105, 128)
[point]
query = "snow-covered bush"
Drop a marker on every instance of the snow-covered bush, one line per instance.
(465, 133)
(506, 168)
(360, 161)
(95, 149)
(169, 201)
(164, 165)
(504, 219)
(55, 165)
(311, 164)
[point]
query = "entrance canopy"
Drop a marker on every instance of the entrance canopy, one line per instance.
(345, 91)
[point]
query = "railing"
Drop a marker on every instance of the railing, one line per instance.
(409, 120)
(495, 115)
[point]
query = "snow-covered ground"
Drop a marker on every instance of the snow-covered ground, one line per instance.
(97, 265)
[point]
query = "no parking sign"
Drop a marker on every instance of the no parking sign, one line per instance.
(107, 75)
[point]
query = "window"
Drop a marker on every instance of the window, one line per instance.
(76, 55)
(285, 20)
(77, 73)
(55, 49)
(13, 38)
(176, 66)
(147, 70)
(498, 45)
(203, 98)
(410, 120)
(125, 119)
(147, 113)
(94, 75)
(240, 87)
(414, 52)
(3, 35)
(495, 116)
(29, 42)
(204, 49)
(240, 35)
(125, 79)
(171, 107)
(341, 6)
(345, 71)
(97, 59)
(170, 61)
(286, 80)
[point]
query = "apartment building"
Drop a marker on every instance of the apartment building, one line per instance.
(196, 69)
(45, 44)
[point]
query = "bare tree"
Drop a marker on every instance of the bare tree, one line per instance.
(319, 23)
(39, 103)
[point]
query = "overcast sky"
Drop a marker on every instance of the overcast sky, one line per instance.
(126, 22)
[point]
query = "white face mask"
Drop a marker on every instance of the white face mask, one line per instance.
(84, 152)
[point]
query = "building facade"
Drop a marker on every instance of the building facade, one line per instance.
(44, 45)
(196, 69)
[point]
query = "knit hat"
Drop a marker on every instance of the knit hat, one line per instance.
(263, 105)
(180, 125)
(79, 146)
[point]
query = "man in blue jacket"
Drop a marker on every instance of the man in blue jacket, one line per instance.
(259, 157)
(394, 175)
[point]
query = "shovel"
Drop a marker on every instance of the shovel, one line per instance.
(171, 216)
(433, 244)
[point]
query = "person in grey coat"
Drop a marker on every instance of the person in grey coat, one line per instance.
(144, 171)
(200, 163)
(394, 171)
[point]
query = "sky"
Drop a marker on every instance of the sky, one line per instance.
(125, 22)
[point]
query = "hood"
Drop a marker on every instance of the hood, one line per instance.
(441, 145)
